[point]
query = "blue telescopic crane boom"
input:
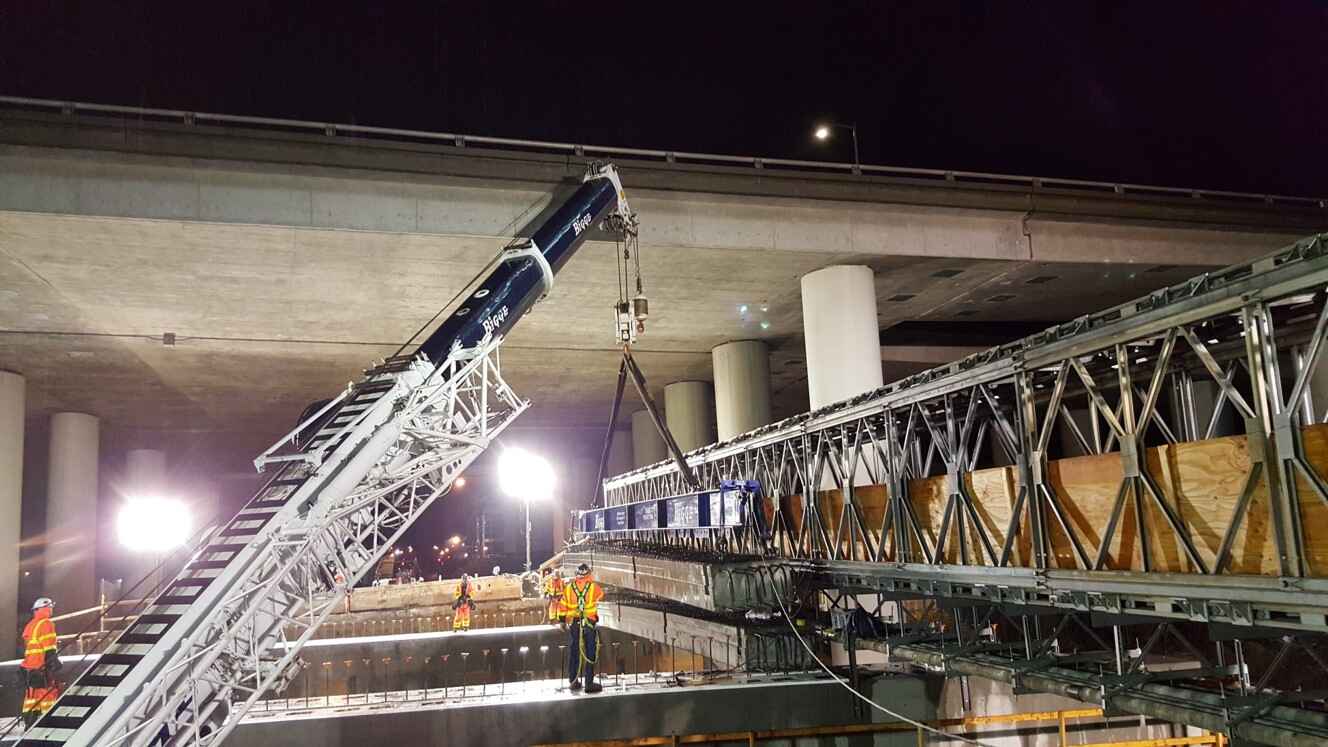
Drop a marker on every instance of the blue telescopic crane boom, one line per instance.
(346, 483)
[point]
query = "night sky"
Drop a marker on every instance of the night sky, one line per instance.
(1194, 94)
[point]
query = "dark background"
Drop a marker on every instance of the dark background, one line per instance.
(1215, 95)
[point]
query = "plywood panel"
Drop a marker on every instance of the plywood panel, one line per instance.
(993, 497)
(1206, 478)
(1201, 480)
(791, 507)
(1313, 509)
(871, 499)
(992, 493)
(927, 497)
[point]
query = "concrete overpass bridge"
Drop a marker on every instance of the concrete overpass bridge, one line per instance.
(282, 255)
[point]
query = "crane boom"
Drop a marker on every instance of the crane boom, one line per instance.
(346, 483)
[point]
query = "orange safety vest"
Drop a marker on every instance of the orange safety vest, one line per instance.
(553, 586)
(38, 639)
(581, 599)
(462, 593)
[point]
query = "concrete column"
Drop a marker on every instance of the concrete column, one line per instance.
(647, 445)
(620, 453)
(843, 334)
(145, 472)
(575, 487)
(71, 511)
(12, 404)
(742, 387)
(145, 477)
(689, 408)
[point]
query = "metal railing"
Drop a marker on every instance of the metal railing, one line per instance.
(460, 140)
(461, 668)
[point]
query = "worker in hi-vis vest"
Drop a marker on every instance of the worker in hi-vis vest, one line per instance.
(40, 662)
(580, 614)
(553, 593)
(463, 603)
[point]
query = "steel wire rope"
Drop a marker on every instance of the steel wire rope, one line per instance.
(860, 696)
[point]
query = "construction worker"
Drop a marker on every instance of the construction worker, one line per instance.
(580, 614)
(40, 662)
(553, 592)
(462, 604)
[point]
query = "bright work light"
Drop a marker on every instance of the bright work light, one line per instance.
(525, 475)
(153, 524)
(528, 477)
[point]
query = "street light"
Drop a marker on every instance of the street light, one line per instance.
(825, 130)
(526, 476)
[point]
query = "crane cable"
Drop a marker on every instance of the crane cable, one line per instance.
(860, 696)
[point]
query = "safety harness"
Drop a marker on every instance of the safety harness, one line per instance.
(582, 593)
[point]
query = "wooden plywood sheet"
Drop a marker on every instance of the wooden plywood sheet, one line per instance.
(1313, 508)
(1201, 481)
(1205, 479)
(993, 496)
(871, 500)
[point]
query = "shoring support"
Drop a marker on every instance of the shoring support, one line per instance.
(1280, 726)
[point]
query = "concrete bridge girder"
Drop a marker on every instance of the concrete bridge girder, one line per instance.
(712, 587)
(109, 167)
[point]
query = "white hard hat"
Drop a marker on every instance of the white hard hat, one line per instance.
(42, 602)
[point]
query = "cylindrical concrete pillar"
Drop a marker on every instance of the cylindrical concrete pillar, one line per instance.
(71, 511)
(689, 409)
(742, 387)
(12, 403)
(575, 489)
(620, 453)
(842, 332)
(145, 472)
(145, 478)
(647, 445)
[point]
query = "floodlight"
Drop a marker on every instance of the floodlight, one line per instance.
(153, 524)
(525, 475)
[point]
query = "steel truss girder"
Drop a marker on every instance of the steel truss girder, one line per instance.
(1299, 604)
(1298, 268)
(1223, 327)
(440, 419)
